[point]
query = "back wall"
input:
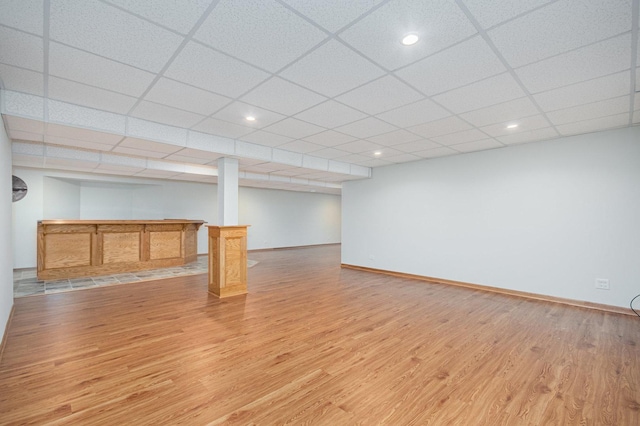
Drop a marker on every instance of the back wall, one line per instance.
(546, 218)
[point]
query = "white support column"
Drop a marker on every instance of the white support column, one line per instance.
(227, 191)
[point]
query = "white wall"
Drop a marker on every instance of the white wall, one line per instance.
(546, 218)
(61, 198)
(288, 219)
(281, 218)
(6, 259)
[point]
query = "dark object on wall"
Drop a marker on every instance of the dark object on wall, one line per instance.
(19, 189)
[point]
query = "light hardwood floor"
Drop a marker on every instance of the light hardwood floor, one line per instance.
(315, 344)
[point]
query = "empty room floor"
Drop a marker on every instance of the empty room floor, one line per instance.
(315, 344)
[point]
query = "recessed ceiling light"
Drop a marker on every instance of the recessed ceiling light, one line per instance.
(512, 126)
(377, 153)
(250, 118)
(410, 39)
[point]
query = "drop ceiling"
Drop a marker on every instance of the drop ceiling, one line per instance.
(162, 88)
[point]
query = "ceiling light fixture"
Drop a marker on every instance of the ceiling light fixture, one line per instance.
(512, 126)
(377, 153)
(250, 118)
(410, 39)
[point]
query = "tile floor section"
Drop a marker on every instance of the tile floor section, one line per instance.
(25, 282)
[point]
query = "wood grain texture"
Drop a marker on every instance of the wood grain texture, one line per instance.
(227, 260)
(315, 344)
(79, 248)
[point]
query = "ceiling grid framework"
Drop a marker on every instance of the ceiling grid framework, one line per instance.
(162, 89)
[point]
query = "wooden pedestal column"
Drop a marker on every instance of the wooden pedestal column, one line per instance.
(228, 260)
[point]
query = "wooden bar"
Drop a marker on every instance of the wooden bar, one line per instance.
(79, 248)
(228, 260)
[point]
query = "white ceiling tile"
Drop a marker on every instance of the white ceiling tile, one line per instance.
(206, 142)
(460, 137)
(315, 163)
(238, 111)
(332, 69)
(156, 131)
(380, 95)
(156, 173)
(585, 92)
(469, 61)
(589, 111)
(492, 12)
(281, 96)
(324, 12)
(82, 134)
(185, 97)
(114, 169)
(53, 151)
(330, 153)
(89, 96)
(353, 158)
(180, 16)
(23, 104)
(300, 146)
(329, 138)
(594, 125)
(415, 146)
(477, 145)
(378, 35)
(65, 113)
(223, 128)
(294, 128)
(394, 138)
(165, 114)
(291, 159)
(491, 91)
(366, 128)
(500, 113)
(524, 125)
(21, 80)
(27, 161)
(73, 64)
(415, 113)
(589, 62)
(435, 152)
(21, 50)
(123, 160)
(19, 135)
(24, 14)
(36, 149)
(560, 27)
(24, 124)
(330, 114)
(139, 152)
(375, 162)
(339, 167)
(266, 138)
(84, 144)
(261, 32)
(147, 145)
(194, 155)
(402, 158)
(252, 150)
(98, 28)
(66, 164)
(530, 136)
(359, 147)
(440, 127)
(232, 78)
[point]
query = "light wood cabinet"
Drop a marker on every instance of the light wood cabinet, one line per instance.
(78, 248)
(228, 260)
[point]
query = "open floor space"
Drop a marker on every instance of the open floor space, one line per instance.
(315, 344)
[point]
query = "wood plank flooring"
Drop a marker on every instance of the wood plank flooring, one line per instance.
(315, 344)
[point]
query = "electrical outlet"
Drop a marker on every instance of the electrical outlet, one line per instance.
(602, 284)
